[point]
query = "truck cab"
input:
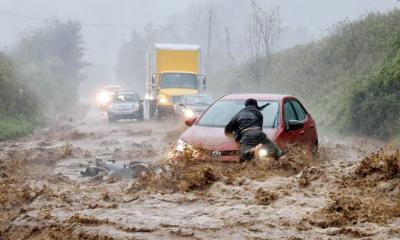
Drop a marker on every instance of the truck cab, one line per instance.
(173, 71)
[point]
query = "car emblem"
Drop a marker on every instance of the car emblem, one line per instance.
(216, 154)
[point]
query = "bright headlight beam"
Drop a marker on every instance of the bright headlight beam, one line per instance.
(163, 100)
(189, 113)
(103, 98)
(263, 153)
(180, 145)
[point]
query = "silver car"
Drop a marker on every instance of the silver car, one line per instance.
(125, 105)
(190, 105)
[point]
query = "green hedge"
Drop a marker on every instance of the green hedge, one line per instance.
(375, 101)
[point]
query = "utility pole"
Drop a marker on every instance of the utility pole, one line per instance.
(209, 42)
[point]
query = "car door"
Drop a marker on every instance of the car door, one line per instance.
(307, 132)
(289, 113)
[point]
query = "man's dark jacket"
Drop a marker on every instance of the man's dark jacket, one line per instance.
(247, 118)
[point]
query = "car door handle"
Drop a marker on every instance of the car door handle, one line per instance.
(302, 132)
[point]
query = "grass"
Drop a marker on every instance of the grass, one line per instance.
(13, 127)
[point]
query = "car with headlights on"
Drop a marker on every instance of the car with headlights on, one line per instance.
(191, 105)
(286, 122)
(105, 95)
(125, 105)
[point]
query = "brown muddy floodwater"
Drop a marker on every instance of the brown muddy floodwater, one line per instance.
(56, 184)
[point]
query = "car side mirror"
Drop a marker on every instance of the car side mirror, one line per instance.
(294, 125)
(190, 121)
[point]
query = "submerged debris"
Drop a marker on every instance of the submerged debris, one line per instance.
(116, 169)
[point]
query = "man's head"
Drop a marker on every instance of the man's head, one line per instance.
(251, 102)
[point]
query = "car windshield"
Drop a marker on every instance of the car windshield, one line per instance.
(199, 100)
(221, 112)
(125, 98)
(179, 80)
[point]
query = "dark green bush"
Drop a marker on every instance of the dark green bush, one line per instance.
(375, 102)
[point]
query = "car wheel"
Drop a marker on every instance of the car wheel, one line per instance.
(159, 116)
(152, 111)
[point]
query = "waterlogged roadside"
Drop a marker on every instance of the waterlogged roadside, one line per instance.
(348, 192)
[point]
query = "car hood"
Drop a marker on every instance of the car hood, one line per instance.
(214, 138)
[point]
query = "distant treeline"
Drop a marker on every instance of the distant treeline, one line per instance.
(39, 77)
(350, 80)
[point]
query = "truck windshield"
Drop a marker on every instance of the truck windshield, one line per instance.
(219, 114)
(179, 80)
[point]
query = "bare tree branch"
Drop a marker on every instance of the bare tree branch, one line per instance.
(262, 32)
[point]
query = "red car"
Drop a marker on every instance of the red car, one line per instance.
(286, 121)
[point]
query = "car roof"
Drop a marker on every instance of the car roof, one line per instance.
(257, 96)
(197, 94)
(112, 86)
(126, 92)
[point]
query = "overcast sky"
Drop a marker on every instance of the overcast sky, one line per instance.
(102, 43)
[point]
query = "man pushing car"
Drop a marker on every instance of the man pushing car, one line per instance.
(246, 127)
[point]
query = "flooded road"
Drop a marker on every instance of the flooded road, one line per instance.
(48, 191)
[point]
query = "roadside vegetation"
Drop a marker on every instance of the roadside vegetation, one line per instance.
(350, 79)
(40, 77)
(17, 106)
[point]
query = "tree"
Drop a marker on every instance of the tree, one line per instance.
(262, 31)
(51, 60)
(131, 64)
(15, 98)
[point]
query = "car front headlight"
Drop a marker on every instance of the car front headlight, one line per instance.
(163, 100)
(103, 98)
(189, 113)
(263, 152)
(181, 145)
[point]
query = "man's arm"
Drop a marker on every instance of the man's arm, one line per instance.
(232, 125)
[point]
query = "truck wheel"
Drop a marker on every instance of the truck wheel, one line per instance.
(159, 115)
(141, 117)
(152, 111)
